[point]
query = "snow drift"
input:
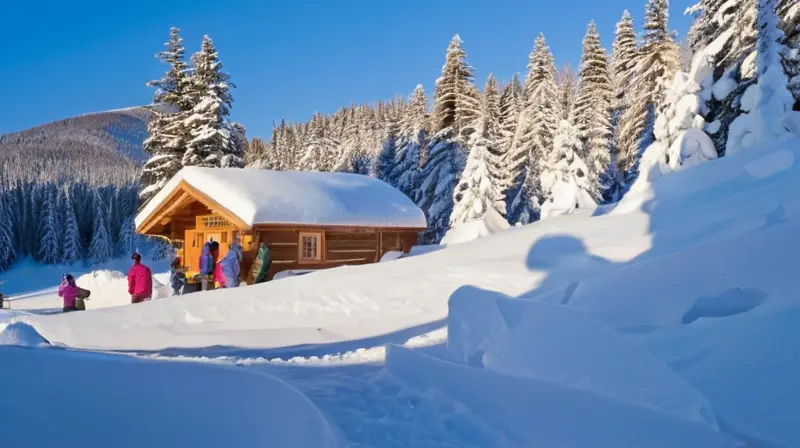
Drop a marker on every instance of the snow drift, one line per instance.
(491, 223)
(538, 413)
(562, 345)
(134, 403)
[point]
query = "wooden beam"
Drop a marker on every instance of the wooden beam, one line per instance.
(182, 200)
(215, 206)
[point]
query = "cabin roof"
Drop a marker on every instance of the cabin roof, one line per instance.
(257, 196)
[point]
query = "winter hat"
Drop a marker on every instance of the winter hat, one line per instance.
(136, 256)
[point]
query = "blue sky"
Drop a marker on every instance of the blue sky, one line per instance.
(288, 59)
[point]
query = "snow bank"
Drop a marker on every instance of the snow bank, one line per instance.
(562, 345)
(491, 223)
(101, 401)
(741, 363)
(538, 413)
(297, 197)
(21, 335)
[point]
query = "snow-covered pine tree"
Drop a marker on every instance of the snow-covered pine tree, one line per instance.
(789, 14)
(49, 251)
(414, 130)
(623, 62)
(725, 31)
(480, 185)
(126, 238)
(767, 103)
(565, 182)
(510, 109)
(534, 138)
(591, 113)
(260, 154)
(212, 139)
(171, 88)
(624, 55)
(7, 252)
(101, 248)
(350, 143)
(388, 152)
(567, 90)
(166, 141)
(445, 159)
(656, 66)
(72, 246)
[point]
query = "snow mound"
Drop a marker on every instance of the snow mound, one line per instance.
(297, 197)
(562, 345)
(124, 402)
(22, 335)
(743, 366)
(538, 413)
(491, 223)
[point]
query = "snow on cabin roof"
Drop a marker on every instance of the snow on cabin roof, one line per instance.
(259, 196)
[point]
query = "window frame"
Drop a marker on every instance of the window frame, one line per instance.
(300, 255)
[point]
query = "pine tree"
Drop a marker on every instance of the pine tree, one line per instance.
(534, 138)
(453, 108)
(623, 69)
(72, 246)
(101, 248)
(126, 240)
(510, 110)
(166, 141)
(655, 69)
(386, 157)
(565, 182)
(623, 62)
(211, 137)
(567, 90)
(49, 252)
(314, 154)
(591, 114)
(480, 186)
(7, 252)
(414, 130)
(766, 103)
(789, 14)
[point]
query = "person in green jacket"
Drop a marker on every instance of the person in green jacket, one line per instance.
(261, 264)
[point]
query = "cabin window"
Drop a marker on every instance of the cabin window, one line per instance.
(215, 221)
(310, 246)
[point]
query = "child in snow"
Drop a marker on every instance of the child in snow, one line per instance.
(69, 291)
(177, 277)
(229, 266)
(140, 280)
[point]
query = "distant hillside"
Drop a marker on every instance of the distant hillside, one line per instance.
(79, 148)
(68, 189)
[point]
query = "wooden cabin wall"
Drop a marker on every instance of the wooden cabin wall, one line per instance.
(339, 246)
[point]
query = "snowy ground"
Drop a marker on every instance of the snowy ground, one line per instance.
(662, 321)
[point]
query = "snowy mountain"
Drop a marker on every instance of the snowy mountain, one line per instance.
(106, 134)
(68, 189)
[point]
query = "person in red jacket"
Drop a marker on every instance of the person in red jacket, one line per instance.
(140, 281)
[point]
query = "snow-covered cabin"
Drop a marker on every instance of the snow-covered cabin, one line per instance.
(309, 220)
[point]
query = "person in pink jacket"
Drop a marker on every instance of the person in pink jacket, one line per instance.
(140, 281)
(68, 290)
